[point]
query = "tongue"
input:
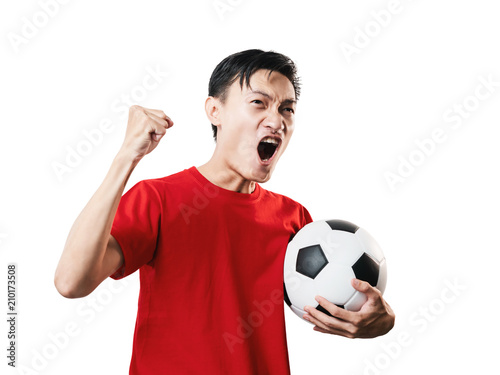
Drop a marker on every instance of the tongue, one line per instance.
(266, 150)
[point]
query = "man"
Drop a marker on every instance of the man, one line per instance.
(209, 241)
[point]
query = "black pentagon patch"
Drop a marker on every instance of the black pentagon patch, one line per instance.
(325, 311)
(287, 300)
(310, 261)
(346, 226)
(366, 269)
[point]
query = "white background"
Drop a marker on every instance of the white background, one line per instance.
(358, 115)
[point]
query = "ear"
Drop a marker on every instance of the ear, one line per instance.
(212, 109)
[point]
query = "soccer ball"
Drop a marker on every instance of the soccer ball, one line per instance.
(322, 259)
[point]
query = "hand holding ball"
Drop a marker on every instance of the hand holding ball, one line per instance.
(322, 259)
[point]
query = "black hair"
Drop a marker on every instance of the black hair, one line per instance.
(243, 65)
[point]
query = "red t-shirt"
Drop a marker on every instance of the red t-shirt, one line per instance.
(211, 275)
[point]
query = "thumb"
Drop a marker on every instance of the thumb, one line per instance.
(158, 133)
(364, 287)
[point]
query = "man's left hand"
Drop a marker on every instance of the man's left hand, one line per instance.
(375, 318)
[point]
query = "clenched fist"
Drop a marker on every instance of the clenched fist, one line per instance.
(145, 129)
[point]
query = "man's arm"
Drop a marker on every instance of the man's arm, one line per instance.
(91, 254)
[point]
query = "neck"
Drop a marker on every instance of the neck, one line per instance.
(220, 173)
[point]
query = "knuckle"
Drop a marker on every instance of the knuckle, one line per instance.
(353, 330)
(350, 335)
(330, 323)
(362, 284)
(358, 320)
(367, 287)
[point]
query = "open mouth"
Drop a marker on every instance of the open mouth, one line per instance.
(267, 148)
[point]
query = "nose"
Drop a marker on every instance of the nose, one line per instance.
(274, 121)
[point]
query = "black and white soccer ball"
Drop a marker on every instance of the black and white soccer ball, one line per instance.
(322, 259)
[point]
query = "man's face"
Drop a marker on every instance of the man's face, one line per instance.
(256, 124)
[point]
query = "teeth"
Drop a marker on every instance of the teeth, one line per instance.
(270, 140)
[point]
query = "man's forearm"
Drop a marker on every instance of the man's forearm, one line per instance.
(80, 266)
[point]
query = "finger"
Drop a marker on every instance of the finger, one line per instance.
(325, 321)
(157, 112)
(158, 127)
(312, 319)
(167, 123)
(159, 120)
(319, 329)
(334, 332)
(156, 130)
(327, 328)
(330, 331)
(366, 288)
(333, 309)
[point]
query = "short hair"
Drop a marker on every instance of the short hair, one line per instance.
(243, 65)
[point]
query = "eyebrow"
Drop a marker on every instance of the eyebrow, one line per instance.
(286, 101)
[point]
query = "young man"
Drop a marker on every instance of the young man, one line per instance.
(209, 241)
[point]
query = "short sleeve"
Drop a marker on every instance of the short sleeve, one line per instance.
(136, 227)
(306, 216)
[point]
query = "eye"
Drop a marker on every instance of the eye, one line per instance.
(289, 110)
(257, 101)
